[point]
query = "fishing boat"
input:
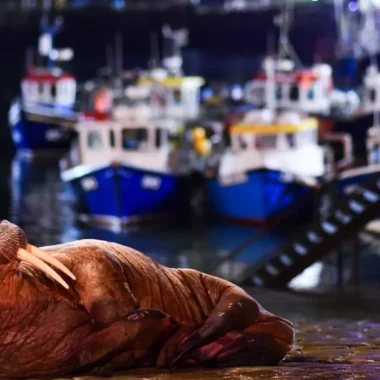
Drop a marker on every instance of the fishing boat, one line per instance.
(40, 118)
(125, 170)
(273, 161)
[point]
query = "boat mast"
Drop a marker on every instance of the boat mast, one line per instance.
(109, 60)
(46, 41)
(119, 61)
(154, 51)
(29, 61)
(176, 39)
(285, 20)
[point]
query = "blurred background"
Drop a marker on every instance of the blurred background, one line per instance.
(237, 137)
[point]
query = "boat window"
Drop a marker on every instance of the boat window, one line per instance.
(54, 91)
(158, 136)
(243, 141)
(372, 94)
(265, 141)
(311, 92)
(112, 139)
(34, 90)
(177, 96)
(94, 140)
(278, 92)
(135, 139)
(294, 92)
(40, 88)
(290, 137)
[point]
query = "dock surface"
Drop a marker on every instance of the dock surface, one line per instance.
(338, 337)
(324, 350)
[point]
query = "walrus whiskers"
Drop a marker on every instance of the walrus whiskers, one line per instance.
(24, 255)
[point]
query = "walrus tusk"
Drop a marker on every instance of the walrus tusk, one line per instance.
(24, 255)
(49, 259)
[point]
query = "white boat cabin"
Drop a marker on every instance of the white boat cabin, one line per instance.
(288, 144)
(304, 90)
(129, 138)
(175, 97)
(49, 88)
(371, 90)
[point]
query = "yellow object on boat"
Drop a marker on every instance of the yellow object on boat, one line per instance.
(201, 144)
(173, 81)
(306, 124)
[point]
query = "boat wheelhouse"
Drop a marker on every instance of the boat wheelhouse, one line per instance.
(125, 170)
(53, 89)
(175, 97)
(300, 90)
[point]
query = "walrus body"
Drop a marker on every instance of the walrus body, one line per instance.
(122, 311)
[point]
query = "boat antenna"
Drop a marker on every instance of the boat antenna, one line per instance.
(49, 31)
(109, 60)
(271, 50)
(119, 60)
(285, 20)
(154, 50)
(29, 58)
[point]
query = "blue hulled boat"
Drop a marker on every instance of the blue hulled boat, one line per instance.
(126, 170)
(40, 118)
(268, 168)
(39, 127)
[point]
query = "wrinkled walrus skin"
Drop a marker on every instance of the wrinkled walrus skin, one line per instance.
(124, 311)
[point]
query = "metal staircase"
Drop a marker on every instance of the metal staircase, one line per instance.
(348, 216)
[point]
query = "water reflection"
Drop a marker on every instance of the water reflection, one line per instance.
(34, 197)
(45, 208)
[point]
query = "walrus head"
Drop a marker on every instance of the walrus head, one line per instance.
(12, 238)
(14, 246)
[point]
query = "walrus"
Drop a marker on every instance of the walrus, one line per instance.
(95, 307)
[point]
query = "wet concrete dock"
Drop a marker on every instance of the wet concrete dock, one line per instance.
(338, 337)
(324, 350)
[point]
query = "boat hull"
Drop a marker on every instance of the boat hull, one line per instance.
(264, 196)
(39, 134)
(259, 199)
(124, 195)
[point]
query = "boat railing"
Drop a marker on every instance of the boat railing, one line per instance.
(345, 140)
